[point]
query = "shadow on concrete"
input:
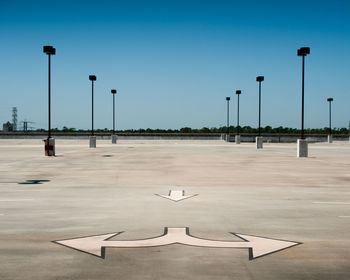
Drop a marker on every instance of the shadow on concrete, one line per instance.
(33, 182)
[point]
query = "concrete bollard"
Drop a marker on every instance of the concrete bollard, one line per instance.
(238, 139)
(259, 142)
(49, 147)
(302, 149)
(92, 141)
(114, 139)
(330, 138)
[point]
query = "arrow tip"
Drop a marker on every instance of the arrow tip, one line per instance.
(91, 244)
(176, 195)
(261, 246)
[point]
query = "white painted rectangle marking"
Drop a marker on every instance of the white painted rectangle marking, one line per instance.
(14, 200)
(331, 202)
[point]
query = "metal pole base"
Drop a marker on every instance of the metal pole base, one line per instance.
(330, 138)
(259, 142)
(228, 138)
(92, 141)
(114, 139)
(49, 147)
(238, 139)
(302, 148)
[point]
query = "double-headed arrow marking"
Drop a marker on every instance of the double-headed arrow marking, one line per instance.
(96, 245)
(176, 195)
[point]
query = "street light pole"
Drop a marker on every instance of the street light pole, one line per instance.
(92, 138)
(330, 140)
(92, 108)
(259, 79)
(114, 137)
(238, 92)
(49, 98)
(238, 137)
(302, 145)
(113, 91)
(228, 120)
(302, 98)
(50, 142)
(259, 139)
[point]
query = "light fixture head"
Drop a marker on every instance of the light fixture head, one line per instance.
(303, 51)
(260, 78)
(330, 99)
(228, 98)
(113, 91)
(92, 77)
(238, 91)
(49, 50)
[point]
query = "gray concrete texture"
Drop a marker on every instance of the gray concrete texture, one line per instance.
(267, 192)
(114, 139)
(302, 148)
(238, 139)
(259, 142)
(92, 141)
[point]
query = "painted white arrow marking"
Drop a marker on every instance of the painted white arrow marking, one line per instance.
(258, 246)
(176, 195)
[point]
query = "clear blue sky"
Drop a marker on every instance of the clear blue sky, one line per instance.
(174, 62)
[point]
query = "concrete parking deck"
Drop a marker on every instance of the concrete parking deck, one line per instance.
(243, 196)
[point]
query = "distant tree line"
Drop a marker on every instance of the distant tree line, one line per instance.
(223, 129)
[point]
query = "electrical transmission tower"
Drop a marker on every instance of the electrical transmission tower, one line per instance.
(25, 125)
(14, 118)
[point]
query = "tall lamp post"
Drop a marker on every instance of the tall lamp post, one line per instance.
(302, 149)
(92, 138)
(228, 119)
(114, 137)
(49, 142)
(238, 137)
(259, 139)
(330, 140)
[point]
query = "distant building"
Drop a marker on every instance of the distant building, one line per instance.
(14, 119)
(7, 127)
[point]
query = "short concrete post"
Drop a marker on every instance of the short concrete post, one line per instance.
(114, 139)
(302, 149)
(330, 138)
(238, 139)
(49, 147)
(228, 138)
(259, 142)
(92, 140)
